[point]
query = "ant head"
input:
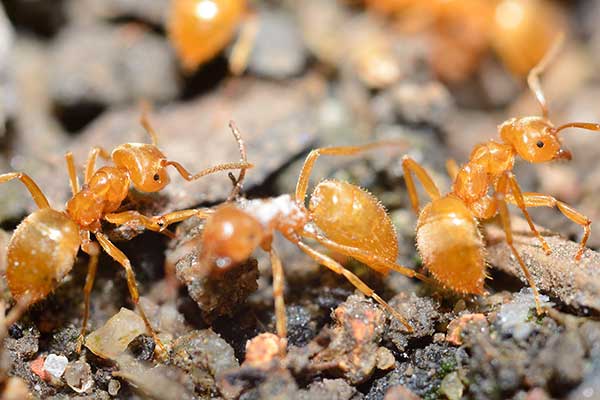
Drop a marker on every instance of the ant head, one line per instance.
(534, 139)
(230, 236)
(145, 163)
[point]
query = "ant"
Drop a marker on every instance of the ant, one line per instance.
(448, 236)
(43, 247)
(200, 29)
(519, 31)
(340, 216)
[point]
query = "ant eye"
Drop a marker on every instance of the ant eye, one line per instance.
(157, 177)
(540, 144)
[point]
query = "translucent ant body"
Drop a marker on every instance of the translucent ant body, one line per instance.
(448, 236)
(462, 31)
(200, 29)
(340, 216)
(43, 248)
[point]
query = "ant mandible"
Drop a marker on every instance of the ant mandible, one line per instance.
(43, 247)
(340, 216)
(448, 236)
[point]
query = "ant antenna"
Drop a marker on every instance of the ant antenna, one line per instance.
(237, 182)
(533, 79)
(590, 126)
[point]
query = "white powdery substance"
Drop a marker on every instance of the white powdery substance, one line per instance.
(55, 365)
(515, 317)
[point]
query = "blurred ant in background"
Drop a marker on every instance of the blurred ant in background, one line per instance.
(201, 29)
(462, 31)
(448, 236)
(42, 249)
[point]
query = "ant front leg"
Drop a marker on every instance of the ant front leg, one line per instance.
(517, 197)
(543, 200)
(34, 189)
(157, 223)
(501, 190)
(122, 259)
(411, 166)
(354, 280)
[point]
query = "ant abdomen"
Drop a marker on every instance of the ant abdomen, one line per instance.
(37, 269)
(353, 217)
(451, 245)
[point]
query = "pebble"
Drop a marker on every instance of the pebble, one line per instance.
(55, 365)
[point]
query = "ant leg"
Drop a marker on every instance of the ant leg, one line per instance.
(353, 279)
(370, 259)
(411, 166)
(452, 168)
(520, 202)
(543, 200)
(122, 259)
(91, 161)
(501, 190)
(278, 288)
(34, 189)
(309, 162)
(240, 53)
(157, 223)
(145, 121)
(533, 79)
(73, 180)
(93, 251)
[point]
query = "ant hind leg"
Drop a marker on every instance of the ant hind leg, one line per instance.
(278, 288)
(353, 279)
(72, 173)
(309, 162)
(122, 259)
(93, 251)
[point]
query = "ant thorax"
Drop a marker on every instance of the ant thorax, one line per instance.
(276, 213)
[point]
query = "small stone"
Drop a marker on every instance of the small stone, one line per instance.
(113, 387)
(78, 376)
(385, 359)
(439, 337)
(263, 349)
(55, 365)
(456, 327)
(113, 337)
(452, 387)
(400, 392)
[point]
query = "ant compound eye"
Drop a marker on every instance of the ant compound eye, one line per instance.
(156, 177)
(540, 144)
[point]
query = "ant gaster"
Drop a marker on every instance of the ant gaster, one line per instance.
(340, 216)
(212, 24)
(448, 236)
(42, 250)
